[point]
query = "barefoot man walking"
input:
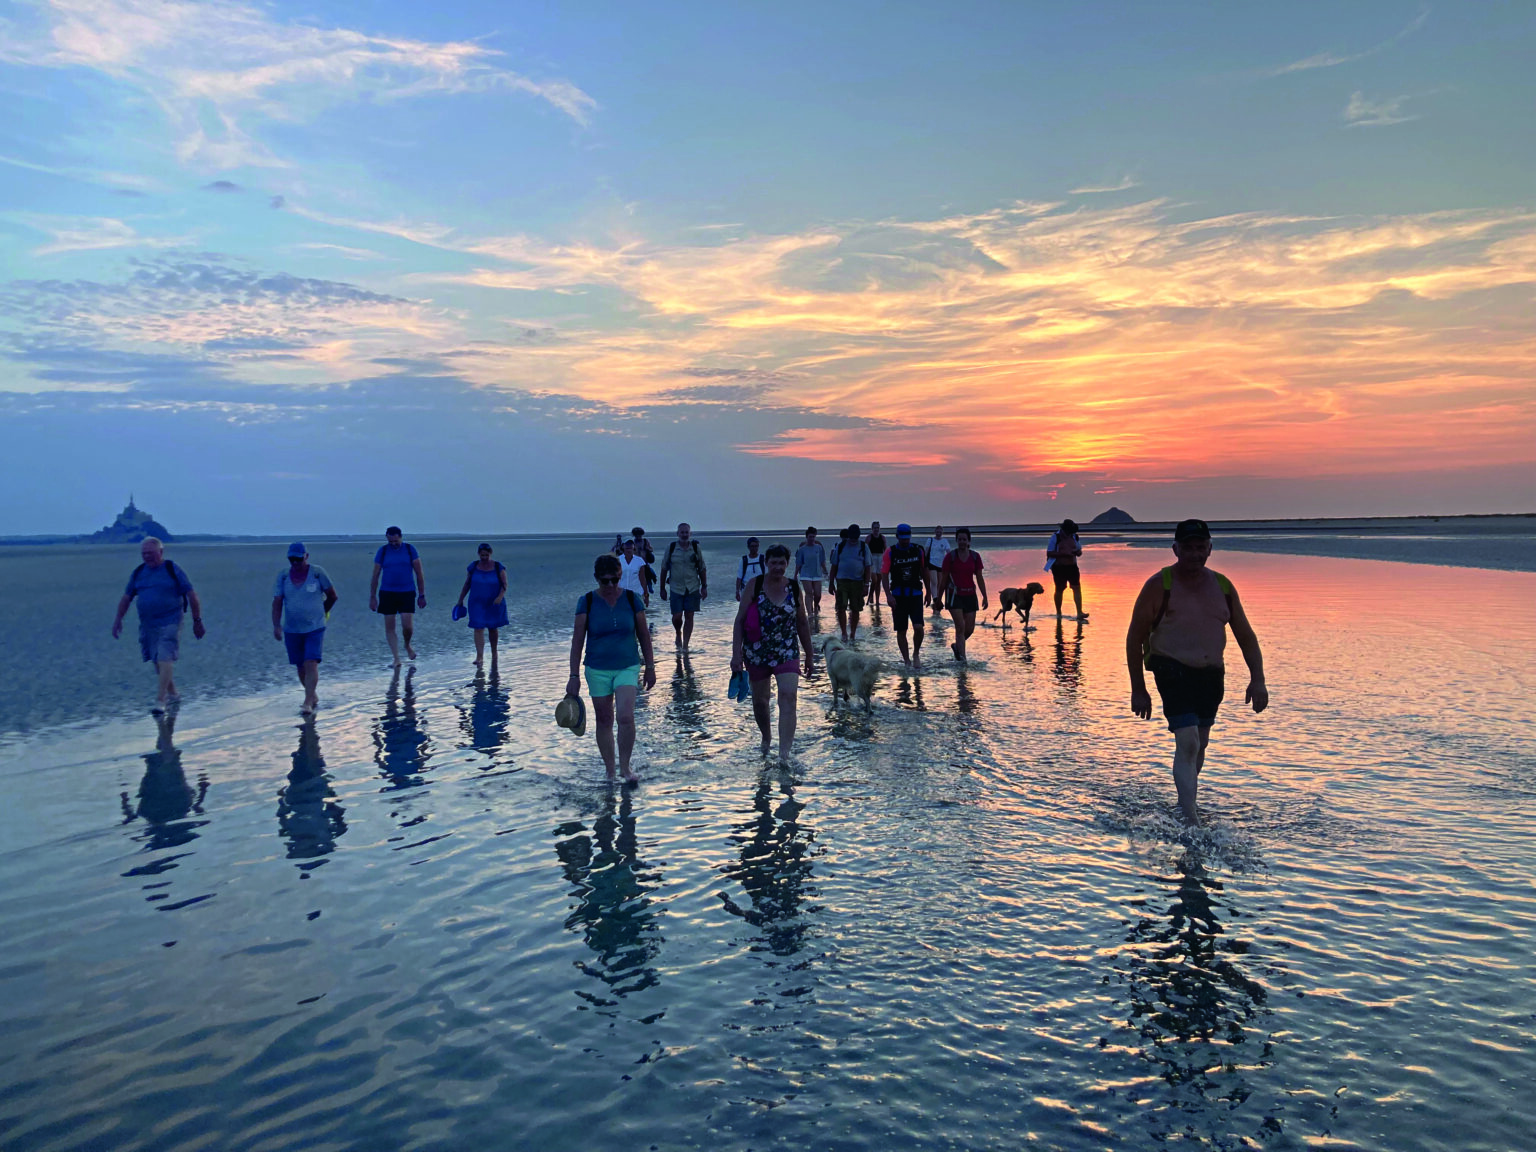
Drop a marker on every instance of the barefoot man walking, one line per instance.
(1179, 629)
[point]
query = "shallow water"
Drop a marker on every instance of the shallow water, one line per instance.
(963, 920)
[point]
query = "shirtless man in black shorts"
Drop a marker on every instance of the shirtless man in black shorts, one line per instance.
(1179, 629)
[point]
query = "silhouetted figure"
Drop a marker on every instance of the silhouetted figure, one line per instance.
(774, 869)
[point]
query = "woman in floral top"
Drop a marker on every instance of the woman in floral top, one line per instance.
(771, 628)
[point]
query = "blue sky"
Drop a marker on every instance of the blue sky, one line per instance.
(482, 268)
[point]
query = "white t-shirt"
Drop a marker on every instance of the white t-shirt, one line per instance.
(938, 548)
(750, 566)
(629, 574)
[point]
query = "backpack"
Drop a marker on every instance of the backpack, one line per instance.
(634, 604)
(178, 577)
(758, 560)
(698, 557)
(1162, 609)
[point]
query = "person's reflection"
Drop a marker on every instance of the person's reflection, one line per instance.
(909, 694)
(165, 799)
(965, 696)
(309, 819)
(485, 722)
(1190, 999)
(687, 707)
(399, 744)
(613, 912)
(1068, 667)
(774, 868)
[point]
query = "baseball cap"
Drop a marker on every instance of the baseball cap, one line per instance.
(1192, 530)
(903, 529)
(297, 549)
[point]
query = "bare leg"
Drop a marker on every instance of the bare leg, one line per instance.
(408, 626)
(687, 629)
(1077, 598)
(165, 688)
(853, 624)
(788, 712)
(309, 676)
(1188, 758)
(901, 642)
(495, 636)
(1059, 590)
(762, 693)
(624, 705)
(842, 618)
(602, 708)
(961, 633)
(677, 626)
(389, 634)
(917, 638)
(480, 646)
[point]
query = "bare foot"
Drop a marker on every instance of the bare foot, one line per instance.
(410, 652)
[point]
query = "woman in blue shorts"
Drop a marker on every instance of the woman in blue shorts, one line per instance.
(485, 583)
(610, 626)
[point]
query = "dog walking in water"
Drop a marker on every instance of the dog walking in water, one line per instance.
(851, 673)
(1019, 600)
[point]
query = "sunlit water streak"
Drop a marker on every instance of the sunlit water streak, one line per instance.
(965, 919)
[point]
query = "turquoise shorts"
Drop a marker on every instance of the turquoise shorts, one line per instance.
(602, 681)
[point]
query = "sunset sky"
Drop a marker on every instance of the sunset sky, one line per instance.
(482, 267)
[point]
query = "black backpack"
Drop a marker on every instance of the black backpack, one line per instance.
(698, 556)
(175, 575)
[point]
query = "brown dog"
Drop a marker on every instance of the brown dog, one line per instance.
(1018, 599)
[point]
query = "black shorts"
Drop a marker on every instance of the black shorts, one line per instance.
(905, 608)
(962, 601)
(1191, 696)
(1065, 574)
(394, 603)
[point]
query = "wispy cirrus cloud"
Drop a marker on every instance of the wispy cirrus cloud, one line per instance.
(1332, 59)
(1364, 111)
(89, 234)
(1124, 184)
(220, 68)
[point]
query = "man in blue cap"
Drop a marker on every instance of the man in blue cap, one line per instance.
(904, 576)
(301, 601)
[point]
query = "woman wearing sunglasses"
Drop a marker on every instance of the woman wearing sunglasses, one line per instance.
(610, 626)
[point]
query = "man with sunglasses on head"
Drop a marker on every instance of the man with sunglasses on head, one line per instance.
(302, 599)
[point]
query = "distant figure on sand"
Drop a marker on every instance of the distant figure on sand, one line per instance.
(1179, 631)
(751, 566)
(644, 550)
(876, 545)
(851, 571)
(811, 568)
(959, 580)
(302, 599)
(904, 572)
(937, 548)
(398, 588)
(684, 566)
(770, 639)
(164, 593)
(1061, 555)
(610, 626)
(485, 583)
(632, 571)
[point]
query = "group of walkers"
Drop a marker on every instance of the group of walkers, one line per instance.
(1177, 630)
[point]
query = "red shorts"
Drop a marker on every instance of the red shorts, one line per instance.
(756, 672)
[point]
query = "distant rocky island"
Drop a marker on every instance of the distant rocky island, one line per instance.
(1113, 516)
(132, 525)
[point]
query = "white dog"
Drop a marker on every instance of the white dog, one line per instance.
(851, 673)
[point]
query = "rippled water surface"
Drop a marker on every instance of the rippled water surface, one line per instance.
(964, 920)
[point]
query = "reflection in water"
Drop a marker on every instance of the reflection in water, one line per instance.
(165, 798)
(614, 912)
(965, 696)
(309, 818)
(399, 744)
(1192, 1004)
(774, 868)
(1068, 667)
(1019, 645)
(688, 707)
(909, 693)
(485, 721)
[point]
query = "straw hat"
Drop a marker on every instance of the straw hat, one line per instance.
(572, 713)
